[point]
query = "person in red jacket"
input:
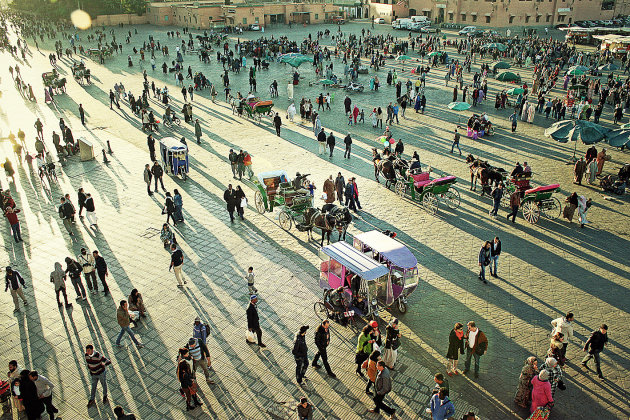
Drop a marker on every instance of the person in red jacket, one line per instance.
(11, 214)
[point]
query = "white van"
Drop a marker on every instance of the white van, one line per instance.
(379, 20)
(468, 29)
(421, 19)
(401, 23)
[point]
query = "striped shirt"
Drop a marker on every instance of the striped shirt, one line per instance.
(96, 363)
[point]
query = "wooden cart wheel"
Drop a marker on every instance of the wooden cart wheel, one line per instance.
(430, 202)
(531, 211)
(453, 199)
(259, 202)
(285, 220)
(401, 188)
(551, 208)
(320, 310)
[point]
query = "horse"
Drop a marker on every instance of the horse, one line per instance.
(342, 218)
(314, 218)
(388, 167)
(486, 173)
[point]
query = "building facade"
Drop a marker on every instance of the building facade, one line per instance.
(504, 13)
(213, 14)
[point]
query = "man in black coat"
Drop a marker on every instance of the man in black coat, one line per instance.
(151, 144)
(347, 102)
(322, 340)
(81, 200)
(348, 142)
(300, 352)
(253, 324)
(330, 141)
(495, 251)
(277, 122)
(157, 172)
(231, 199)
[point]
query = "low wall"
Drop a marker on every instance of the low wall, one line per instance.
(113, 20)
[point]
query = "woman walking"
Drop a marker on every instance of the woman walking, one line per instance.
(569, 208)
(178, 216)
(523, 395)
(392, 342)
(169, 208)
(455, 348)
(541, 391)
(364, 348)
(241, 201)
(370, 367)
(186, 380)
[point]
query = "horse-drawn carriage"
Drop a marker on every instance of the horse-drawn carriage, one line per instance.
(79, 71)
(51, 79)
(255, 108)
(515, 183)
(539, 200)
(421, 188)
(275, 189)
(104, 51)
(486, 173)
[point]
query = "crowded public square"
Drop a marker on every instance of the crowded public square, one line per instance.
(327, 221)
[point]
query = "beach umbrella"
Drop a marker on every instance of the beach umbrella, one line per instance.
(495, 45)
(459, 106)
(515, 91)
(609, 67)
(508, 76)
(326, 82)
(619, 137)
(500, 65)
(432, 53)
(296, 61)
(576, 72)
(572, 130)
(404, 57)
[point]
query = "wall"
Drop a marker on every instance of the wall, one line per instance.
(113, 20)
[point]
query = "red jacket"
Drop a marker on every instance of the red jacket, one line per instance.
(13, 219)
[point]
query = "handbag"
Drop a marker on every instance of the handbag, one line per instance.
(250, 336)
(193, 388)
(243, 202)
(164, 210)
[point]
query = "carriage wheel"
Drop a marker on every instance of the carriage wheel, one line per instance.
(401, 188)
(453, 199)
(320, 310)
(430, 202)
(551, 208)
(531, 211)
(260, 203)
(285, 220)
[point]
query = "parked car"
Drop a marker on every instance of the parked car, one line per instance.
(254, 27)
(491, 33)
(339, 20)
(477, 33)
(466, 30)
(428, 30)
(379, 20)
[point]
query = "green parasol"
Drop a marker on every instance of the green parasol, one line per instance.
(515, 91)
(296, 61)
(432, 53)
(500, 65)
(326, 82)
(619, 137)
(459, 106)
(508, 76)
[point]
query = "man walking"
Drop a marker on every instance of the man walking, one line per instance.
(383, 386)
(12, 217)
(151, 146)
(300, 353)
(101, 270)
(14, 280)
(96, 365)
(348, 142)
(74, 270)
(81, 201)
(515, 203)
(231, 200)
(157, 172)
(349, 193)
(233, 157)
(58, 278)
(495, 251)
(253, 322)
(66, 213)
(39, 127)
(597, 341)
(44, 392)
(277, 122)
(87, 263)
(321, 141)
(476, 347)
(82, 114)
(355, 192)
(514, 119)
(90, 210)
(340, 186)
(124, 320)
(441, 407)
(249, 276)
(322, 340)
(497, 194)
(177, 262)
(200, 356)
(330, 141)
(147, 178)
(198, 131)
(563, 325)
(456, 143)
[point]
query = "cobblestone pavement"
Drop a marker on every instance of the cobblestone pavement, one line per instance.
(545, 269)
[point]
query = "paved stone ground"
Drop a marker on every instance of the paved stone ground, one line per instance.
(546, 269)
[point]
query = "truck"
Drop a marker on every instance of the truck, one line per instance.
(401, 23)
(421, 19)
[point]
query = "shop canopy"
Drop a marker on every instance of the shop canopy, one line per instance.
(389, 248)
(355, 261)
